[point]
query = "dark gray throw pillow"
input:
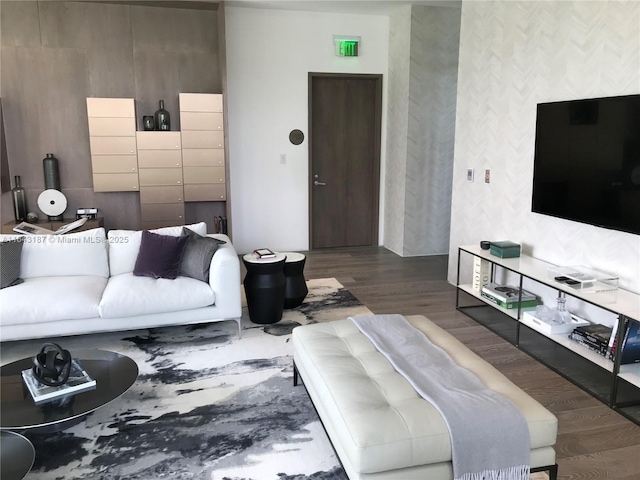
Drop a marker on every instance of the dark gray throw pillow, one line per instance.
(10, 263)
(198, 254)
(160, 256)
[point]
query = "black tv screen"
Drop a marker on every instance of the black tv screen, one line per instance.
(587, 161)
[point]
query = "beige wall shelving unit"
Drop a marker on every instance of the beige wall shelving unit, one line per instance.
(167, 168)
(202, 130)
(161, 185)
(112, 139)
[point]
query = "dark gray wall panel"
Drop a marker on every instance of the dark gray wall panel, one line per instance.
(204, 212)
(199, 73)
(120, 210)
(42, 119)
(156, 75)
(55, 54)
(20, 24)
(85, 25)
(111, 72)
(174, 30)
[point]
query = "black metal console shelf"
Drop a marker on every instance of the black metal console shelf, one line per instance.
(616, 385)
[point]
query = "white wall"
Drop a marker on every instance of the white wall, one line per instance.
(269, 56)
(514, 55)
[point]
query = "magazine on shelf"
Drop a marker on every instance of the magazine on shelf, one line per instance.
(31, 229)
(79, 381)
(507, 293)
(631, 344)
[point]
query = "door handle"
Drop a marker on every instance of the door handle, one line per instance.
(319, 184)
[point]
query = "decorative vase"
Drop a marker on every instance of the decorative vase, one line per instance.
(51, 172)
(19, 201)
(148, 123)
(51, 178)
(163, 121)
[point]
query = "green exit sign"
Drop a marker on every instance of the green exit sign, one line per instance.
(346, 46)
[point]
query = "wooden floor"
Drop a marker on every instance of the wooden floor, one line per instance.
(594, 442)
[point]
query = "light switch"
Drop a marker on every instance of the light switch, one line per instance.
(469, 174)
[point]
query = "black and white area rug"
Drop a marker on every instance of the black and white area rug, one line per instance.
(206, 405)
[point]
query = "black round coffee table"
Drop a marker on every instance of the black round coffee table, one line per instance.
(114, 373)
(16, 456)
(264, 287)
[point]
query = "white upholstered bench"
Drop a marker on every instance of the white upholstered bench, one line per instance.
(379, 426)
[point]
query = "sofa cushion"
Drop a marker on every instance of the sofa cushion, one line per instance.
(47, 299)
(160, 256)
(124, 245)
(196, 261)
(81, 253)
(10, 262)
(127, 295)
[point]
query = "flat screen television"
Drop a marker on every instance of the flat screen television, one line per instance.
(587, 161)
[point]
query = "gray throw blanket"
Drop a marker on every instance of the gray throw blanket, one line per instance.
(489, 435)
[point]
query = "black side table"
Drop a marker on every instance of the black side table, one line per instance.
(264, 287)
(296, 287)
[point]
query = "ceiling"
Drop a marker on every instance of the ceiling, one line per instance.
(371, 7)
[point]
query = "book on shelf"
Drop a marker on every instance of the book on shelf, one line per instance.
(595, 347)
(79, 381)
(507, 293)
(264, 253)
(631, 344)
(481, 271)
(595, 333)
(510, 305)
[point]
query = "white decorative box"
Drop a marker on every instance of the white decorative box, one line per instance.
(548, 328)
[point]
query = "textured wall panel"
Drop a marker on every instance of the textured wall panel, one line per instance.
(397, 127)
(435, 36)
(423, 55)
(514, 55)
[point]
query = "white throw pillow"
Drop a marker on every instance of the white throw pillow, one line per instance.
(81, 253)
(124, 245)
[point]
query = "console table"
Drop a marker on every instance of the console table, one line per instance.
(614, 384)
(7, 228)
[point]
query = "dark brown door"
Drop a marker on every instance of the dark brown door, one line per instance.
(344, 155)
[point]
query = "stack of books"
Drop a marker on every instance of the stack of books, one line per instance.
(262, 253)
(79, 381)
(508, 296)
(596, 337)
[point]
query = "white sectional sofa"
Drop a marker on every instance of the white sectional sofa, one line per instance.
(84, 283)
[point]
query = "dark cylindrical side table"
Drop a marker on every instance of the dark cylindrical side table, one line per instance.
(264, 287)
(295, 289)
